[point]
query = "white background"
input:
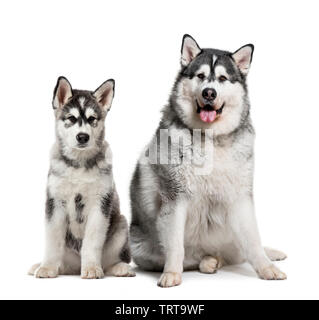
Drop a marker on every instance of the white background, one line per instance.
(138, 44)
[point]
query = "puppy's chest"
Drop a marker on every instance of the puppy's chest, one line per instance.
(79, 191)
(68, 182)
(78, 209)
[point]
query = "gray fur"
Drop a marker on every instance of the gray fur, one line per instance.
(107, 204)
(72, 242)
(223, 58)
(163, 195)
(85, 229)
(125, 254)
(49, 207)
(79, 206)
(88, 163)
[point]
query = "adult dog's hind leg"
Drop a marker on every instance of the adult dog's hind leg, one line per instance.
(210, 264)
(33, 269)
(275, 255)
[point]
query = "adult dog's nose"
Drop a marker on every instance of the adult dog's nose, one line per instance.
(83, 138)
(209, 94)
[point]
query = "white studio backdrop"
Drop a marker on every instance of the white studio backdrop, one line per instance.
(138, 44)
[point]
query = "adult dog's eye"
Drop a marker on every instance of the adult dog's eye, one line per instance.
(201, 76)
(72, 119)
(91, 120)
(222, 79)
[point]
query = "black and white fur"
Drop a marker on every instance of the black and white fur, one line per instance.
(183, 220)
(85, 232)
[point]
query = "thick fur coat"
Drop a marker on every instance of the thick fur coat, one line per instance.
(85, 232)
(192, 205)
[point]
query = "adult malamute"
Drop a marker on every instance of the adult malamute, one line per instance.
(85, 232)
(184, 218)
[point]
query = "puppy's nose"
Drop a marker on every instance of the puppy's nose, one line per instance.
(209, 94)
(83, 138)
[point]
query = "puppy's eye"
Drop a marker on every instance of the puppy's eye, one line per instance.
(72, 119)
(91, 120)
(222, 79)
(201, 76)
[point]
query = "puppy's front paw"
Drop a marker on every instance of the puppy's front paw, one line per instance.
(46, 272)
(271, 273)
(170, 279)
(121, 270)
(92, 272)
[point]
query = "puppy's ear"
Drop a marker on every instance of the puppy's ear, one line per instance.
(62, 93)
(105, 94)
(243, 58)
(190, 49)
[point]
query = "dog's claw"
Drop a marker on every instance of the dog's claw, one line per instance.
(121, 270)
(272, 273)
(210, 265)
(94, 272)
(46, 272)
(170, 279)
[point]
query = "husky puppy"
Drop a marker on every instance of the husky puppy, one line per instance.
(85, 232)
(184, 219)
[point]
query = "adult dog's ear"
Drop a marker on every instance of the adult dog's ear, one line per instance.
(243, 58)
(104, 94)
(62, 93)
(190, 49)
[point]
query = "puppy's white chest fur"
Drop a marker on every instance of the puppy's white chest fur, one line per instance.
(79, 190)
(66, 180)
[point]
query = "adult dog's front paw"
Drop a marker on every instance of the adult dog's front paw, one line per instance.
(170, 279)
(46, 272)
(271, 273)
(210, 265)
(92, 272)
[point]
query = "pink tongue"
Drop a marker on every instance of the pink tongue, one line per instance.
(208, 116)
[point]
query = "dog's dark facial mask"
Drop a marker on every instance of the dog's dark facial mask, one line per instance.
(213, 80)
